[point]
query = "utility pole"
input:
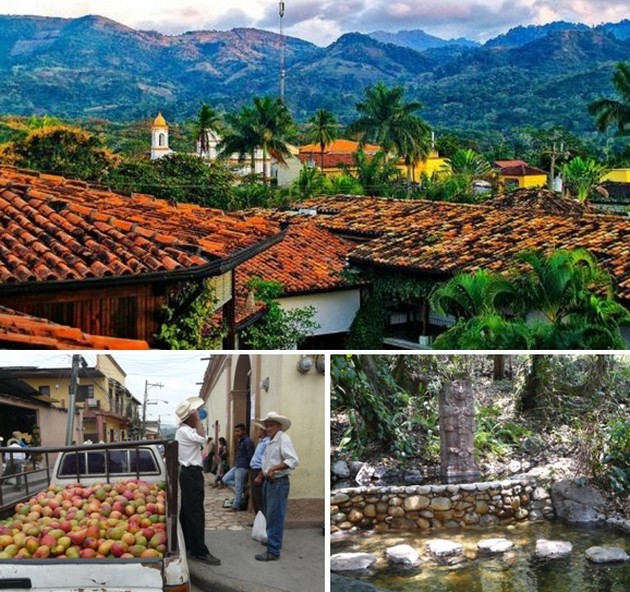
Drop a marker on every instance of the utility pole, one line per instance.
(282, 70)
(72, 402)
(554, 155)
(147, 384)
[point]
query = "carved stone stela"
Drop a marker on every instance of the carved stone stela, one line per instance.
(457, 432)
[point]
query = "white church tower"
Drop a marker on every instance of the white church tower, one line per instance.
(159, 138)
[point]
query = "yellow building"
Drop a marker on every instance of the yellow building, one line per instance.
(617, 176)
(517, 174)
(433, 164)
(239, 388)
(104, 407)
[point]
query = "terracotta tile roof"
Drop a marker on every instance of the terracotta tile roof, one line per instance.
(521, 170)
(309, 259)
(540, 200)
(501, 164)
(445, 238)
(52, 229)
(22, 331)
(340, 146)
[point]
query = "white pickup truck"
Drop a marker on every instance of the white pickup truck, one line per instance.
(108, 463)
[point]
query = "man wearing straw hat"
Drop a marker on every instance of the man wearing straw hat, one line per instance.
(191, 437)
(279, 461)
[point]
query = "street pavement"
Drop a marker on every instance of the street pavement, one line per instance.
(228, 536)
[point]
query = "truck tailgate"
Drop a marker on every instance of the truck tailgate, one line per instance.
(81, 575)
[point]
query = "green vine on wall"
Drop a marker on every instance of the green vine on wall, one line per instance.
(387, 290)
(191, 320)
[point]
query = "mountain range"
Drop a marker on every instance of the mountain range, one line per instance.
(94, 67)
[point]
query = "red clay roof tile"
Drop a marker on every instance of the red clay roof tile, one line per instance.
(21, 329)
(445, 238)
(82, 231)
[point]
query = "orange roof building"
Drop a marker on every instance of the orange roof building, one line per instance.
(106, 263)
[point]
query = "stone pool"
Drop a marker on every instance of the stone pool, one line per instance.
(518, 569)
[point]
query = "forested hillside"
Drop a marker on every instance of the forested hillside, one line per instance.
(94, 67)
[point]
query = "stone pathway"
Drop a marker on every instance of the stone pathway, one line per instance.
(218, 517)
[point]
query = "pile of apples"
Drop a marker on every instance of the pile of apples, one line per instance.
(121, 519)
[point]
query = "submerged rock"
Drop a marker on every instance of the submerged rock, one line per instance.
(402, 554)
(342, 584)
(497, 545)
(443, 548)
(551, 549)
(351, 561)
(606, 554)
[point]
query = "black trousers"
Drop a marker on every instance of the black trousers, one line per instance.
(191, 514)
(257, 492)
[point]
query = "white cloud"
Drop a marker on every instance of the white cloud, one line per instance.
(322, 21)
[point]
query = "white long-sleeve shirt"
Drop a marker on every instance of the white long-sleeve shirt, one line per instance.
(190, 443)
(280, 450)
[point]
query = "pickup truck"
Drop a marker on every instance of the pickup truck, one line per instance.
(148, 461)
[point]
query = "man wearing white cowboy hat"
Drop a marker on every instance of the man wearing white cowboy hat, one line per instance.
(191, 437)
(279, 461)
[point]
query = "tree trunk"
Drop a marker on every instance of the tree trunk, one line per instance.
(534, 384)
(499, 366)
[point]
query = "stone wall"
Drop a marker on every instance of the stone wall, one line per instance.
(431, 507)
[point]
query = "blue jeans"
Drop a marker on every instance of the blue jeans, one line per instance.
(236, 477)
(276, 495)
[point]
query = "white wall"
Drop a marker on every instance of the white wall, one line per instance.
(335, 310)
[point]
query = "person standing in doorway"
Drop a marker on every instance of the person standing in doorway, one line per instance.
(191, 437)
(279, 461)
(237, 476)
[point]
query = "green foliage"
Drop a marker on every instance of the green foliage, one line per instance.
(279, 329)
(388, 290)
(388, 121)
(581, 176)
(310, 183)
(611, 112)
(560, 301)
(183, 178)
(495, 436)
(375, 174)
(616, 460)
(65, 150)
(379, 412)
(188, 320)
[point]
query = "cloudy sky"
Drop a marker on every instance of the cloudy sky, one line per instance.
(177, 371)
(323, 21)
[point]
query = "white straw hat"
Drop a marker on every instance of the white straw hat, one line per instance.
(185, 408)
(285, 422)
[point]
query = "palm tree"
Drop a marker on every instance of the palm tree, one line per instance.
(208, 121)
(581, 176)
(323, 131)
(275, 127)
(559, 285)
(310, 183)
(267, 125)
(374, 174)
(387, 120)
(468, 295)
(241, 137)
(614, 112)
(467, 165)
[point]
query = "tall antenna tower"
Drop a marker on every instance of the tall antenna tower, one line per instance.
(282, 70)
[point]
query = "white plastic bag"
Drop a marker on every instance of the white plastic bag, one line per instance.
(259, 530)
